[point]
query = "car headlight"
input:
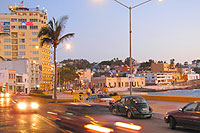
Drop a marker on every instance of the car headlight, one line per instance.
(22, 105)
(34, 105)
(2, 95)
(7, 95)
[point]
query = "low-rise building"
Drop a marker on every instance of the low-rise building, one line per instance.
(30, 72)
(8, 81)
(120, 82)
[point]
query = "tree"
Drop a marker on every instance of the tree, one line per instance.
(51, 34)
(67, 74)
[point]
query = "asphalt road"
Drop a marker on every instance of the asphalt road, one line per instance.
(11, 122)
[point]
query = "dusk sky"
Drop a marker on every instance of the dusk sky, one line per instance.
(161, 30)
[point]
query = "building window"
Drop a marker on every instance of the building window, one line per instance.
(7, 53)
(21, 33)
(23, 27)
(35, 58)
(14, 27)
(21, 46)
(35, 52)
(13, 20)
(34, 39)
(22, 20)
(6, 40)
(34, 33)
(33, 20)
(7, 47)
(33, 27)
(21, 40)
(22, 53)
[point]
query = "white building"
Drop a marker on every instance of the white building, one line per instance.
(191, 75)
(28, 72)
(85, 76)
(157, 78)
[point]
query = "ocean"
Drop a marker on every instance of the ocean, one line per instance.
(191, 92)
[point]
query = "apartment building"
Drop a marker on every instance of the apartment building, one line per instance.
(158, 67)
(21, 27)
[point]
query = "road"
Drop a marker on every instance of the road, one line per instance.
(11, 122)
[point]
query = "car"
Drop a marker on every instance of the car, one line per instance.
(188, 116)
(93, 117)
(24, 104)
(131, 106)
(4, 95)
(100, 98)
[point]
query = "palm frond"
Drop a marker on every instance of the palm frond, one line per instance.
(66, 37)
(45, 40)
(43, 32)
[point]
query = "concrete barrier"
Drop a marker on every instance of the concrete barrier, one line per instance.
(169, 98)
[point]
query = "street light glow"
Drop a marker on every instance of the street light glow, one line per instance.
(68, 46)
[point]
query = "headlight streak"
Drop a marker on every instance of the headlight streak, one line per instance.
(98, 128)
(22, 105)
(7, 95)
(129, 126)
(34, 105)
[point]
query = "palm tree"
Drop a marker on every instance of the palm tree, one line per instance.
(51, 34)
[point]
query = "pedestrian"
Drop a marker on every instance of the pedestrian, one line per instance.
(72, 91)
(106, 90)
(88, 91)
(93, 90)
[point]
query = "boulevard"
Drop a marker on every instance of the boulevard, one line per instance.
(41, 122)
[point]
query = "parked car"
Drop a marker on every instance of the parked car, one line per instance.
(131, 106)
(24, 104)
(188, 116)
(99, 98)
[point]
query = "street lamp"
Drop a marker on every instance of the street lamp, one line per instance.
(130, 31)
(67, 46)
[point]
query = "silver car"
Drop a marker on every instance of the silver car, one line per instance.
(100, 98)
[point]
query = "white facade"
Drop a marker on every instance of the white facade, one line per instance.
(85, 76)
(157, 78)
(28, 71)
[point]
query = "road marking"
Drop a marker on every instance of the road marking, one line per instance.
(51, 123)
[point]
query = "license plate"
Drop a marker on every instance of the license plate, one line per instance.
(144, 109)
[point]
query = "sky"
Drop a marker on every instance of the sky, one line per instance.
(161, 30)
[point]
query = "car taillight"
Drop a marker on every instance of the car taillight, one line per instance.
(134, 109)
(101, 101)
(150, 109)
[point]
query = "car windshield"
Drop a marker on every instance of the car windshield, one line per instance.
(138, 100)
(103, 96)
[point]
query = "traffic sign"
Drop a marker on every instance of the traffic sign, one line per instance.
(131, 77)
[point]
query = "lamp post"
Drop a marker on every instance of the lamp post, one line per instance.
(130, 31)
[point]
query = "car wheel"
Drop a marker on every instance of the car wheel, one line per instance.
(149, 117)
(129, 114)
(172, 123)
(114, 111)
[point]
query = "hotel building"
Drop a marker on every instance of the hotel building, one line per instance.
(19, 40)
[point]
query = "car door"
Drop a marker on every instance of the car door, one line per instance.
(188, 112)
(196, 116)
(121, 106)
